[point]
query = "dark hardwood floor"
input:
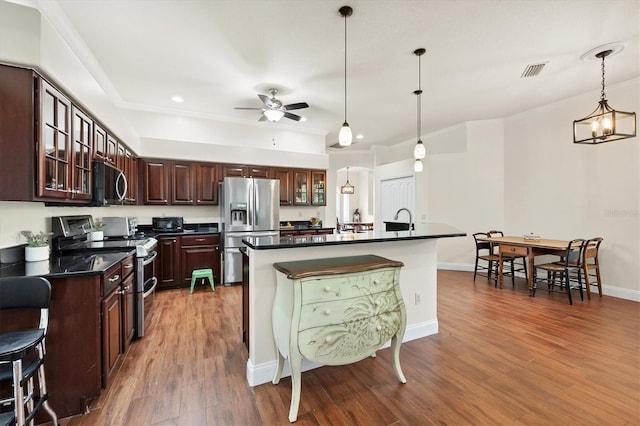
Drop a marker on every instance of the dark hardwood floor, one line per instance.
(500, 357)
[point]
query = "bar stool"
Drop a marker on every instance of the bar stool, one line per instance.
(202, 273)
(17, 364)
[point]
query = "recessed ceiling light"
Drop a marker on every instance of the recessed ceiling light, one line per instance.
(177, 99)
(359, 136)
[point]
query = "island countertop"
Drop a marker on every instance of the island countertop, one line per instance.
(422, 231)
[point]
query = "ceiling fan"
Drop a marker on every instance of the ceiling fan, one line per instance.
(274, 110)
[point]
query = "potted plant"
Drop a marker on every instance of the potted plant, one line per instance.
(37, 248)
(97, 233)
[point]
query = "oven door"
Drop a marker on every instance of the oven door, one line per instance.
(145, 292)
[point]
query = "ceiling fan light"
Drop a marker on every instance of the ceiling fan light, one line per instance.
(273, 115)
(417, 166)
(419, 152)
(345, 136)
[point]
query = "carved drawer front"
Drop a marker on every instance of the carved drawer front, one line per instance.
(346, 286)
(350, 341)
(340, 311)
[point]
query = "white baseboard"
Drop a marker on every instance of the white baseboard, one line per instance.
(608, 290)
(263, 373)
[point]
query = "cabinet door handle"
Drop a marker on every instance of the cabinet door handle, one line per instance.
(128, 266)
(377, 302)
(376, 282)
(327, 311)
(378, 327)
(114, 278)
(327, 339)
(199, 239)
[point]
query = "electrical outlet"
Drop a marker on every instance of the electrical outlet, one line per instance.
(417, 297)
(300, 214)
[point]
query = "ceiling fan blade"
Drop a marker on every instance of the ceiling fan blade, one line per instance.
(265, 100)
(292, 116)
(298, 105)
(263, 118)
(256, 109)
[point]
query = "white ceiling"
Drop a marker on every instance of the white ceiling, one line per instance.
(218, 54)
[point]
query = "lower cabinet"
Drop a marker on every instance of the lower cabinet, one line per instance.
(168, 266)
(179, 255)
(111, 308)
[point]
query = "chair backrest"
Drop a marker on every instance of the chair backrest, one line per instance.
(590, 250)
(494, 233)
(573, 256)
(26, 293)
(481, 245)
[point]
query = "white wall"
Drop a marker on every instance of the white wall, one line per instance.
(557, 189)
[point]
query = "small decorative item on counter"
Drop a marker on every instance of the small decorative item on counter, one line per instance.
(37, 248)
(531, 237)
(97, 233)
(315, 221)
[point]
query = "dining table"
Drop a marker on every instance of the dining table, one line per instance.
(528, 247)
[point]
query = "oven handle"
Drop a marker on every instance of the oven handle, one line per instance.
(148, 260)
(152, 289)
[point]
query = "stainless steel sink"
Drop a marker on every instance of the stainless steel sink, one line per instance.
(397, 226)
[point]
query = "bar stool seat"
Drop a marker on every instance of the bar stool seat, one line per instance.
(202, 273)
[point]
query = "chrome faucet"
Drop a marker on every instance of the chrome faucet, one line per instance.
(410, 216)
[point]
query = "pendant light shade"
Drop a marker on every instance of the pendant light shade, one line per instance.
(347, 188)
(605, 124)
(345, 136)
(419, 150)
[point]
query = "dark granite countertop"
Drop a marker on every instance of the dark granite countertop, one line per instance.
(189, 229)
(422, 231)
(66, 265)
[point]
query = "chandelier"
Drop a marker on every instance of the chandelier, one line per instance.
(347, 188)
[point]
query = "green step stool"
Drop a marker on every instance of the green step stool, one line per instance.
(202, 273)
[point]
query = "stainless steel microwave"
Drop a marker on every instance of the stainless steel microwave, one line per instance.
(109, 184)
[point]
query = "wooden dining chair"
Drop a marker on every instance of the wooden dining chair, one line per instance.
(591, 265)
(487, 252)
(559, 273)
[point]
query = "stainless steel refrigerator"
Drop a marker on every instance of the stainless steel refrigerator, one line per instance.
(249, 207)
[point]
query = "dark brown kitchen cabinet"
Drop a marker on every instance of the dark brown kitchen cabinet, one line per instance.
(318, 185)
(285, 176)
(54, 174)
(182, 183)
(131, 172)
(199, 252)
(206, 183)
(99, 142)
(81, 155)
(168, 266)
(128, 302)
(247, 171)
(156, 182)
(300, 187)
(111, 323)
(112, 149)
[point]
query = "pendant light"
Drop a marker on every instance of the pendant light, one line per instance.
(345, 136)
(605, 124)
(347, 188)
(419, 150)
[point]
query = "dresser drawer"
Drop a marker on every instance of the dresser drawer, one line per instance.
(507, 249)
(127, 266)
(339, 311)
(350, 341)
(337, 287)
(200, 240)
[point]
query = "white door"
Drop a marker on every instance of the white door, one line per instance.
(396, 193)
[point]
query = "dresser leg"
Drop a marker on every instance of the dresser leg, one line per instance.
(295, 360)
(396, 341)
(279, 365)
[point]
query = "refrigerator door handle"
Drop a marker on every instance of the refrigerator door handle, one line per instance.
(250, 212)
(256, 206)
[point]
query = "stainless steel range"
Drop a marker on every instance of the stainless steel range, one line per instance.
(70, 236)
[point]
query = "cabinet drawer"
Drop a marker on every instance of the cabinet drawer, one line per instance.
(200, 240)
(340, 311)
(112, 279)
(346, 285)
(509, 249)
(350, 341)
(127, 266)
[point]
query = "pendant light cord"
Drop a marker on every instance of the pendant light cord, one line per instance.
(345, 68)
(602, 95)
(419, 96)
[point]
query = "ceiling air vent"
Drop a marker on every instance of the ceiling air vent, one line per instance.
(533, 70)
(338, 146)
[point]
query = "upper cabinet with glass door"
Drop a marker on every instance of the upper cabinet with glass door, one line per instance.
(318, 185)
(300, 187)
(55, 134)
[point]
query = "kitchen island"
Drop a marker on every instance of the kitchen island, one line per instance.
(416, 249)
